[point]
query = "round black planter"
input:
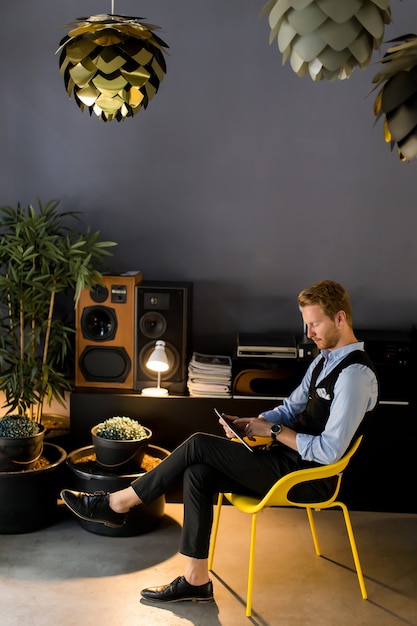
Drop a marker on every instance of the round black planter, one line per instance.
(29, 498)
(119, 455)
(141, 519)
(21, 453)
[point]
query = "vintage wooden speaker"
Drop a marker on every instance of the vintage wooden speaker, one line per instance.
(105, 333)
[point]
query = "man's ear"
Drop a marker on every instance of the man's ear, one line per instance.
(341, 317)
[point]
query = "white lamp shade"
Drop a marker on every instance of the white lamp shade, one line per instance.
(158, 360)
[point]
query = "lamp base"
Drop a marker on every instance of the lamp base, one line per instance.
(157, 392)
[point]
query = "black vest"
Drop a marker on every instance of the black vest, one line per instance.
(314, 418)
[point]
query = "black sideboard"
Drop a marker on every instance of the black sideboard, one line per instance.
(171, 419)
(381, 476)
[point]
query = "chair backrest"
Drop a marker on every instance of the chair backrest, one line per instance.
(278, 494)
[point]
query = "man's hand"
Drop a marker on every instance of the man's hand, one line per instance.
(250, 427)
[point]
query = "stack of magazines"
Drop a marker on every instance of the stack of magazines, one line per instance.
(210, 375)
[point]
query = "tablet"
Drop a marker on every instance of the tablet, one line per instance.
(233, 429)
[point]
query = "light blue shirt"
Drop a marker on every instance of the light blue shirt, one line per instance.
(355, 393)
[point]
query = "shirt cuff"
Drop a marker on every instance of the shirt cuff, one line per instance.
(270, 416)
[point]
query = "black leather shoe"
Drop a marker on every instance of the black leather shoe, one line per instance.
(178, 591)
(93, 507)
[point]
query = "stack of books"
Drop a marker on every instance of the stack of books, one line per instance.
(210, 375)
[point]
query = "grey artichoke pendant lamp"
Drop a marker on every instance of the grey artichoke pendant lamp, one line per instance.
(327, 39)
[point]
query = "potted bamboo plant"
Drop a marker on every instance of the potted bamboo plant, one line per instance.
(42, 257)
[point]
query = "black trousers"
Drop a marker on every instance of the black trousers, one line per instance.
(209, 464)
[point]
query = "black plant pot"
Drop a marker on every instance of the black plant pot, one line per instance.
(119, 455)
(29, 498)
(21, 453)
(141, 519)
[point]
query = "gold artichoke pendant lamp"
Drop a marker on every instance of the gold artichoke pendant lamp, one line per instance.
(327, 39)
(397, 98)
(112, 64)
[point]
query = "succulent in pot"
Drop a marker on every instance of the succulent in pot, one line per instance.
(21, 442)
(120, 441)
(19, 426)
(122, 428)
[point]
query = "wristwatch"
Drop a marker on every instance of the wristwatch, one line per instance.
(275, 430)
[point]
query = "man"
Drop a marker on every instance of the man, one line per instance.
(314, 426)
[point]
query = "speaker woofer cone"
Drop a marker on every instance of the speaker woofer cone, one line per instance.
(99, 323)
(153, 325)
(174, 361)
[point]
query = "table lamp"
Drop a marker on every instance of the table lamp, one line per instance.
(157, 362)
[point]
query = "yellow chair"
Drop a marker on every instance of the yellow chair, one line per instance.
(278, 495)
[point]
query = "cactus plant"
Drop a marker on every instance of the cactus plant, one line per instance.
(122, 428)
(18, 426)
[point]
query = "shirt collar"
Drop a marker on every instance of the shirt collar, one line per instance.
(332, 356)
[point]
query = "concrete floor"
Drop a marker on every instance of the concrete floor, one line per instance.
(68, 576)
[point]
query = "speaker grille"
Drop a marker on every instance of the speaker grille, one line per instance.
(105, 364)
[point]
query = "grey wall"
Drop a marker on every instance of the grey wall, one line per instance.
(240, 176)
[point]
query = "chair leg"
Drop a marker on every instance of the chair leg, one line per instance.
(354, 549)
(214, 530)
(251, 565)
(313, 530)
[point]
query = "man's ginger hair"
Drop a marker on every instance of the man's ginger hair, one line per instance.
(330, 296)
